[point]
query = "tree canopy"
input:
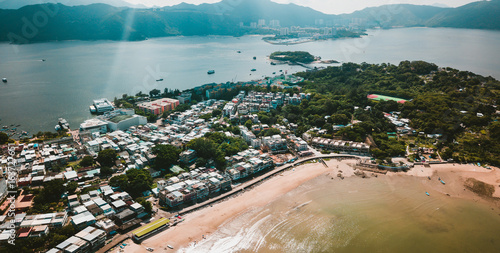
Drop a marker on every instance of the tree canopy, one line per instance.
(107, 157)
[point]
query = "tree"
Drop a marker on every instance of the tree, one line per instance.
(87, 161)
(248, 124)
(216, 113)
(120, 181)
(139, 181)
(3, 138)
(146, 204)
(106, 171)
(107, 157)
(154, 93)
(71, 187)
(166, 156)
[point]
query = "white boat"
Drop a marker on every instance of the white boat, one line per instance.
(170, 246)
(4, 80)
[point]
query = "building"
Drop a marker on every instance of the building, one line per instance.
(145, 231)
(123, 119)
(159, 106)
(94, 125)
(188, 156)
(101, 106)
(95, 237)
(350, 147)
(88, 240)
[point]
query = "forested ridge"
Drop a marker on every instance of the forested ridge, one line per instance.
(459, 105)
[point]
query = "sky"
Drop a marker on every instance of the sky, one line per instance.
(326, 6)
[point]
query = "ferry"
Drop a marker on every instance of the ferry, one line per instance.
(4, 80)
(211, 72)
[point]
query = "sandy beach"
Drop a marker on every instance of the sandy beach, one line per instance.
(206, 221)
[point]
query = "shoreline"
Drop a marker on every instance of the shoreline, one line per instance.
(202, 223)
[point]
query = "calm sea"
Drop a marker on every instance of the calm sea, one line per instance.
(76, 72)
(384, 214)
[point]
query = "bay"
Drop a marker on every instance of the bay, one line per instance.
(76, 72)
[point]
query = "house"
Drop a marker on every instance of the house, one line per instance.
(188, 156)
(95, 237)
(83, 220)
(154, 173)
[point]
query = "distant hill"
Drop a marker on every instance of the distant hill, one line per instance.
(106, 22)
(16, 4)
(477, 15)
(396, 15)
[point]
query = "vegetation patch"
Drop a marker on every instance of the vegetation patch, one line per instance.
(296, 56)
(480, 188)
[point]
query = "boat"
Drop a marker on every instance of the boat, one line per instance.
(274, 73)
(426, 193)
(43, 59)
(159, 80)
(4, 80)
(239, 52)
(211, 72)
(273, 63)
(170, 246)
(255, 58)
(442, 181)
(254, 70)
(429, 178)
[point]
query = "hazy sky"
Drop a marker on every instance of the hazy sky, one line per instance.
(327, 6)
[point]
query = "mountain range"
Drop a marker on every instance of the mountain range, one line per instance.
(118, 20)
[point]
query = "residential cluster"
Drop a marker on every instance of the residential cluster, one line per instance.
(102, 211)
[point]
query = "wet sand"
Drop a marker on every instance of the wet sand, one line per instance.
(207, 221)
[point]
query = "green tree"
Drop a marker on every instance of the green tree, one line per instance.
(106, 171)
(71, 187)
(154, 93)
(216, 113)
(166, 156)
(3, 138)
(107, 157)
(248, 124)
(120, 181)
(87, 161)
(139, 181)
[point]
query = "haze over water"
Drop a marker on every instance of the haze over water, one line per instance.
(76, 72)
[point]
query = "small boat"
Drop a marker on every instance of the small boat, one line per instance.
(273, 63)
(159, 80)
(239, 52)
(274, 73)
(43, 59)
(429, 178)
(442, 181)
(4, 80)
(254, 70)
(255, 58)
(426, 193)
(211, 72)
(170, 246)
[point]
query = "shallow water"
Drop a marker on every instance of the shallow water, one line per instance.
(384, 214)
